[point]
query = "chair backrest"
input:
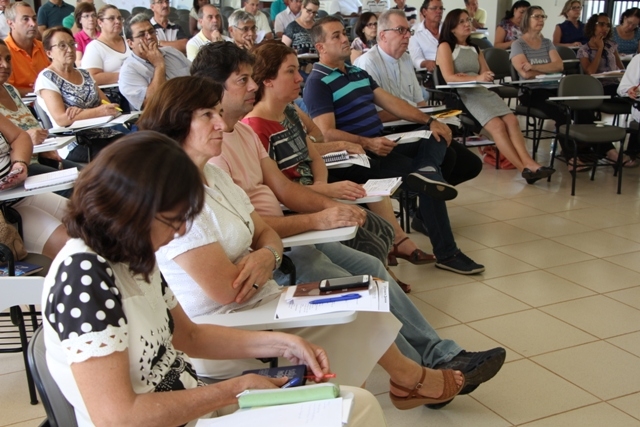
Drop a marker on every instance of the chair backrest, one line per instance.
(498, 62)
(42, 115)
(125, 14)
(581, 85)
(59, 411)
(227, 11)
(321, 14)
(482, 43)
(138, 9)
(568, 54)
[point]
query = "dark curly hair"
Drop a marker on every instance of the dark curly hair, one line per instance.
(590, 26)
(118, 194)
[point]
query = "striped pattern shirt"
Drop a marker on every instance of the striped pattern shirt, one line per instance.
(348, 95)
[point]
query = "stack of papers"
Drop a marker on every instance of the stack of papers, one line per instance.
(344, 158)
(382, 187)
(53, 143)
(376, 298)
(51, 178)
(408, 137)
(96, 122)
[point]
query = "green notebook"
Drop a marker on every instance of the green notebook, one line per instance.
(279, 396)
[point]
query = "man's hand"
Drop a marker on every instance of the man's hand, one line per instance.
(339, 216)
(440, 130)
(37, 135)
(380, 145)
(248, 42)
(428, 65)
(353, 148)
(345, 190)
(216, 36)
(151, 52)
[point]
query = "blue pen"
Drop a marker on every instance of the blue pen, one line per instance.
(336, 299)
(294, 382)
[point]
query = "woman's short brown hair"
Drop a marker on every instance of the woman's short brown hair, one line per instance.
(269, 57)
(171, 108)
(567, 7)
(81, 9)
(524, 24)
(118, 194)
(104, 9)
(48, 34)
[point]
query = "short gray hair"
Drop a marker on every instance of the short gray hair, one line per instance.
(10, 10)
(135, 19)
(384, 20)
(240, 16)
(201, 10)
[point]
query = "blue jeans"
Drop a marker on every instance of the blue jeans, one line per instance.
(417, 339)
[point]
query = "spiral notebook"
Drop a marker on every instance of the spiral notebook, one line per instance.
(342, 157)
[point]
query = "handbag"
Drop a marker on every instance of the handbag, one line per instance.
(10, 237)
(489, 152)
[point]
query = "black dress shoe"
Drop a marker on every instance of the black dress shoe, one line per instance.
(532, 177)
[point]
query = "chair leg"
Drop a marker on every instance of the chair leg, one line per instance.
(24, 342)
(620, 167)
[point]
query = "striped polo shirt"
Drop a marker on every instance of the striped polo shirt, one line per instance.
(349, 96)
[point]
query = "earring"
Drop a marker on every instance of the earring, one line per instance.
(176, 235)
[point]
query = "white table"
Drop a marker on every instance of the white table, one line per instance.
(21, 290)
(262, 317)
(320, 236)
(467, 85)
(578, 98)
(19, 191)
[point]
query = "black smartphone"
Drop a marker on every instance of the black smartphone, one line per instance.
(345, 283)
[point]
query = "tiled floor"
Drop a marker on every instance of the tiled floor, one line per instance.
(561, 292)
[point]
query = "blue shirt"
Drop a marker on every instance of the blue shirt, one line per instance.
(51, 15)
(349, 96)
(571, 34)
(627, 47)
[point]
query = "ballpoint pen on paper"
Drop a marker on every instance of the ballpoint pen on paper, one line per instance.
(313, 377)
(336, 299)
(291, 383)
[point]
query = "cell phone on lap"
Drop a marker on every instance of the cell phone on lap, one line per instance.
(340, 283)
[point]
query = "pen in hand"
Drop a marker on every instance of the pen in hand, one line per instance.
(107, 103)
(325, 376)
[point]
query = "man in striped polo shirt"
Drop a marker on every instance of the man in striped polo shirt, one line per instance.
(342, 102)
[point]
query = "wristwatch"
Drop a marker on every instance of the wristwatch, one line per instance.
(431, 119)
(275, 255)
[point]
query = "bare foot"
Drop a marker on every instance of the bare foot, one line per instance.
(432, 386)
(406, 243)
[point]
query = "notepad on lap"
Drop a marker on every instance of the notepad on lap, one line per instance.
(407, 137)
(51, 178)
(280, 396)
(382, 187)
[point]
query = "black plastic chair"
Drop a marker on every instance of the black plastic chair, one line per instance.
(500, 65)
(579, 88)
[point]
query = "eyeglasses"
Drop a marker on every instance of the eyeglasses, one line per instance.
(465, 21)
(150, 32)
(543, 17)
(88, 16)
(604, 24)
(244, 30)
(162, 2)
(311, 12)
(169, 223)
(372, 25)
(113, 18)
(64, 45)
(440, 8)
(400, 30)
(576, 8)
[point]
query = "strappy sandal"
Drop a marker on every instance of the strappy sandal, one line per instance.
(406, 288)
(417, 257)
(413, 399)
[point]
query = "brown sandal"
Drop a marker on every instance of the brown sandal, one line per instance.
(413, 399)
(406, 288)
(417, 257)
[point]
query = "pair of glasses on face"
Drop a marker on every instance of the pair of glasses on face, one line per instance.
(538, 17)
(150, 32)
(162, 2)
(604, 24)
(89, 16)
(311, 12)
(465, 21)
(435, 8)
(65, 45)
(245, 30)
(372, 25)
(576, 8)
(400, 30)
(113, 18)
(170, 224)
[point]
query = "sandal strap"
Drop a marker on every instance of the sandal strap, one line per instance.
(413, 392)
(396, 245)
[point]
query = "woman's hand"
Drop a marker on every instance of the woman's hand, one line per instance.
(255, 381)
(255, 269)
(597, 42)
(345, 190)
(16, 175)
(487, 76)
(109, 110)
(526, 66)
(37, 135)
(72, 112)
(298, 352)
(633, 92)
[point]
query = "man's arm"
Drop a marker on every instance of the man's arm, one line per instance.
(181, 45)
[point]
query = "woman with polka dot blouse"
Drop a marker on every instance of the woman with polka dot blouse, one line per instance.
(114, 332)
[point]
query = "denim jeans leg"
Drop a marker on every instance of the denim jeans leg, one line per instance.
(311, 266)
(417, 339)
(435, 216)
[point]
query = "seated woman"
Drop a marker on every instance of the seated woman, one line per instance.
(627, 35)
(509, 28)
(12, 107)
(274, 118)
(138, 346)
(297, 35)
(41, 214)
(366, 27)
(460, 61)
(68, 94)
(104, 56)
(87, 22)
(225, 261)
(571, 32)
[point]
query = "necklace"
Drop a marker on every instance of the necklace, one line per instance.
(234, 212)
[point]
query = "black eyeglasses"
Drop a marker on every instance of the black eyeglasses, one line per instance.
(150, 32)
(311, 12)
(244, 30)
(169, 223)
(400, 30)
(372, 25)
